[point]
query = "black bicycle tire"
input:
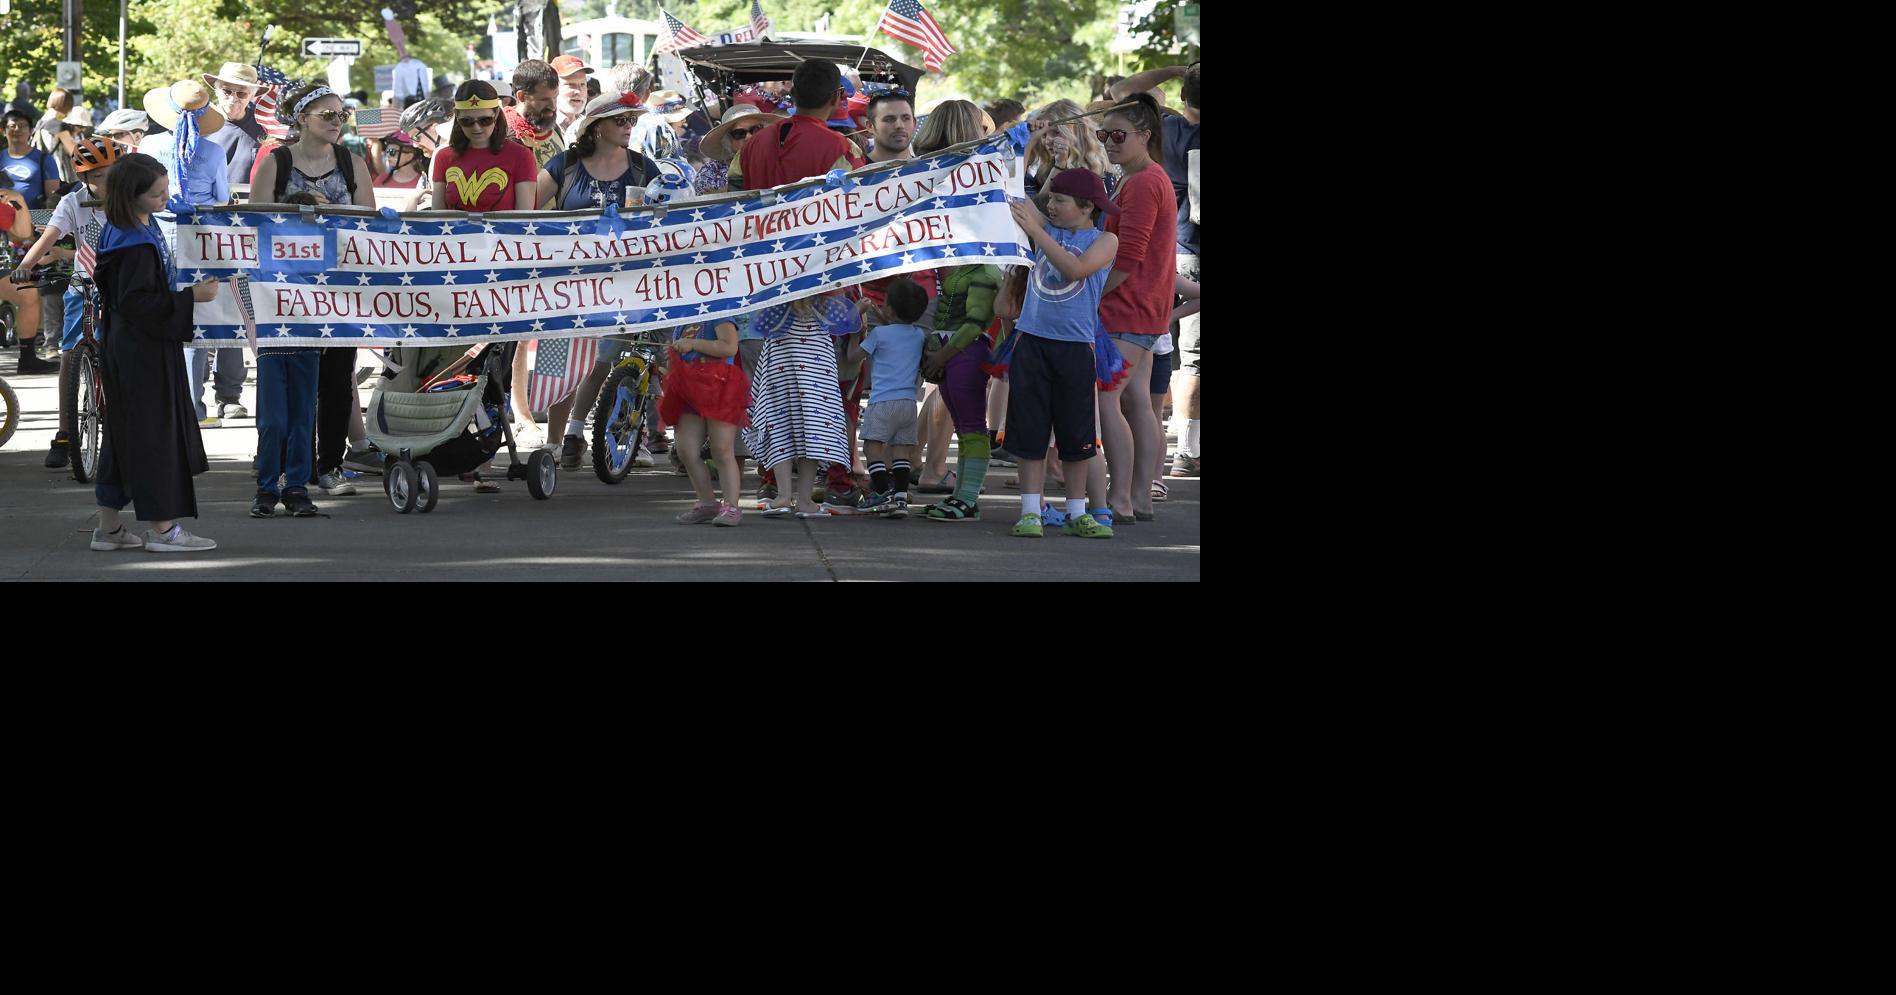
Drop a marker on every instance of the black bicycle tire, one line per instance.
(602, 439)
(87, 383)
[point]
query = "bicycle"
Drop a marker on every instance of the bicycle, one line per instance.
(625, 406)
(85, 392)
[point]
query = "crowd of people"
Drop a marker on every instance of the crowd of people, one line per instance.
(848, 402)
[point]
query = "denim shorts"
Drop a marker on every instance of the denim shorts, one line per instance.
(1146, 342)
(75, 310)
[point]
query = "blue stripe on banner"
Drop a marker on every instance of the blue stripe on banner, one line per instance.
(536, 276)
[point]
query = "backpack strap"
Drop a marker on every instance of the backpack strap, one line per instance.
(281, 156)
(347, 165)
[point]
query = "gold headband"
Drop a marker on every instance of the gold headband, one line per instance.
(476, 105)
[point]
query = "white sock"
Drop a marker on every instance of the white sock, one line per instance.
(575, 427)
(1076, 507)
(1030, 504)
(1188, 440)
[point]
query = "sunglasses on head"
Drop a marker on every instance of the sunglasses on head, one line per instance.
(1117, 136)
(330, 116)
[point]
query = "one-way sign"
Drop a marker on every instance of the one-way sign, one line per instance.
(313, 47)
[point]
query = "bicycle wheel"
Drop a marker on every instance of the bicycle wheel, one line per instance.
(618, 422)
(87, 404)
(9, 412)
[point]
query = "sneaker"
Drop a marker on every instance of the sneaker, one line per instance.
(879, 504)
(1001, 457)
(177, 541)
(1087, 527)
(1027, 528)
(644, 458)
(106, 542)
(210, 422)
(334, 485)
(299, 504)
(661, 444)
(263, 505)
(698, 514)
(30, 363)
(572, 450)
(61, 452)
(843, 502)
(1184, 466)
(232, 409)
(364, 460)
(729, 515)
(900, 502)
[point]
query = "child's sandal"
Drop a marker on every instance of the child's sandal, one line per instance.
(953, 510)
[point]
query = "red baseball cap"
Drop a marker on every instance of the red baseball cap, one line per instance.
(1084, 184)
(567, 65)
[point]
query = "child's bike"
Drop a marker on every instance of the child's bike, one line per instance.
(85, 396)
(626, 404)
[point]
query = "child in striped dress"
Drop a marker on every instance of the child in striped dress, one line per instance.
(796, 415)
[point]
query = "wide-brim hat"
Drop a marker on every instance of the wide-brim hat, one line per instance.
(125, 119)
(657, 103)
(717, 143)
(601, 107)
(235, 73)
(167, 105)
(80, 117)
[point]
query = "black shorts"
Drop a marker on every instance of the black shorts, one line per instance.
(1051, 394)
(1161, 373)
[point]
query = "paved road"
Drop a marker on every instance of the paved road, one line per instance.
(588, 531)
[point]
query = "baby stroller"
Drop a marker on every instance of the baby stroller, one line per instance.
(433, 420)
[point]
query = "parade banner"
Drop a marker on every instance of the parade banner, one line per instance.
(343, 276)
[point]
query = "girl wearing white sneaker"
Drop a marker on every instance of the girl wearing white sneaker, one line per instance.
(152, 447)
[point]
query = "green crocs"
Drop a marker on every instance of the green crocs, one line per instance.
(1028, 527)
(1087, 527)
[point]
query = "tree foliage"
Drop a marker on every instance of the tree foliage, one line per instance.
(32, 43)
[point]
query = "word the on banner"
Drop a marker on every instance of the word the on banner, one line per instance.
(338, 279)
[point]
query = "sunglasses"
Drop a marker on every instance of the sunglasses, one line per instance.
(331, 116)
(1117, 136)
(745, 132)
(235, 93)
(477, 122)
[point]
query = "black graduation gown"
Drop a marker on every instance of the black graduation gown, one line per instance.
(153, 447)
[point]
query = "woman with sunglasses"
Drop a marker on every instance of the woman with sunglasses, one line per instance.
(1137, 307)
(724, 146)
(481, 170)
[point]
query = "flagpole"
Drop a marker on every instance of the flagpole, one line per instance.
(865, 40)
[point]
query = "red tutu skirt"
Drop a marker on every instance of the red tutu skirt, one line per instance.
(714, 390)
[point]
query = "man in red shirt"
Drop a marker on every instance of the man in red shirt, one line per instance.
(803, 146)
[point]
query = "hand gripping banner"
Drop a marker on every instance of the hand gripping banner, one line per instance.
(348, 276)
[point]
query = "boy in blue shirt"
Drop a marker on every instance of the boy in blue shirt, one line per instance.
(1052, 375)
(890, 421)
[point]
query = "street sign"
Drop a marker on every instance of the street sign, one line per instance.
(323, 47)
(66, 75)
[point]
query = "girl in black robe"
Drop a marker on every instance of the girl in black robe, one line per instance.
(152, 447)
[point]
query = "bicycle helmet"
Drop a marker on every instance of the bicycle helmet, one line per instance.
(418, 116)
(91, 153)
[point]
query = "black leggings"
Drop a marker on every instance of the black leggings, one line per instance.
(335, 394)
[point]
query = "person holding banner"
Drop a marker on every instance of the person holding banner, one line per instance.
(152, 447)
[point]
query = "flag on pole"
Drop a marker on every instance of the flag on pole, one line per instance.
(87, 257)
(377, 123)
(681, 34)
(905, 19)
(558, 367)
(759, 23)
(275, 84)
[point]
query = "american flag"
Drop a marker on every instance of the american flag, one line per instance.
(759, 23)
(905, 19)
(275, 85)
(87, 257)
(377, 123)
(681, 34)
(558, 367)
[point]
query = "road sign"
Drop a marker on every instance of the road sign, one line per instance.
(66, 75)
(320, 47)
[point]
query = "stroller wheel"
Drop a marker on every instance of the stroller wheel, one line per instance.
(402, 485)
(427, 488)
(543, 472)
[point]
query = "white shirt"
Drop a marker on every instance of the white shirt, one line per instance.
(412, 77)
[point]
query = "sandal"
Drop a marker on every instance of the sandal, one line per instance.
(773, 510)
(953, 510)
(486, 486)
(1159, 491)
(818, 513)
(946, 485)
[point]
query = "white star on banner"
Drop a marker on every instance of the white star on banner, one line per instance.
(697, 215)
(656, 263)
(532, 229)
(577, 271)
(934, 164)
(197, 333)
(285, 277)
(362, 225)
(818, 238)
(539, 326)
(987, 250)
(743, 302)
(777, 246)
(579, 321)
(862, 230)
(454, 331)
(947, 250)
(447, 227)
(698, 257)
(704, 309)
(737, 251)
(325, 331)
(783, 290)
(368, 330)
(493, 329)
(660, 314)
(619, 318)
(940, 203)
(278, 219)
(492, 276)
(322, 278)
(616, 267)
(488, 227)
(197, 276)
(981, 199)
(363, 279)
(409, 330)
(866, 265)
(407, 278)
(533, 274)
(448, 277)
(908, 257)
(575, 228)
(737, 208)
(406, 229)
(283, 330)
